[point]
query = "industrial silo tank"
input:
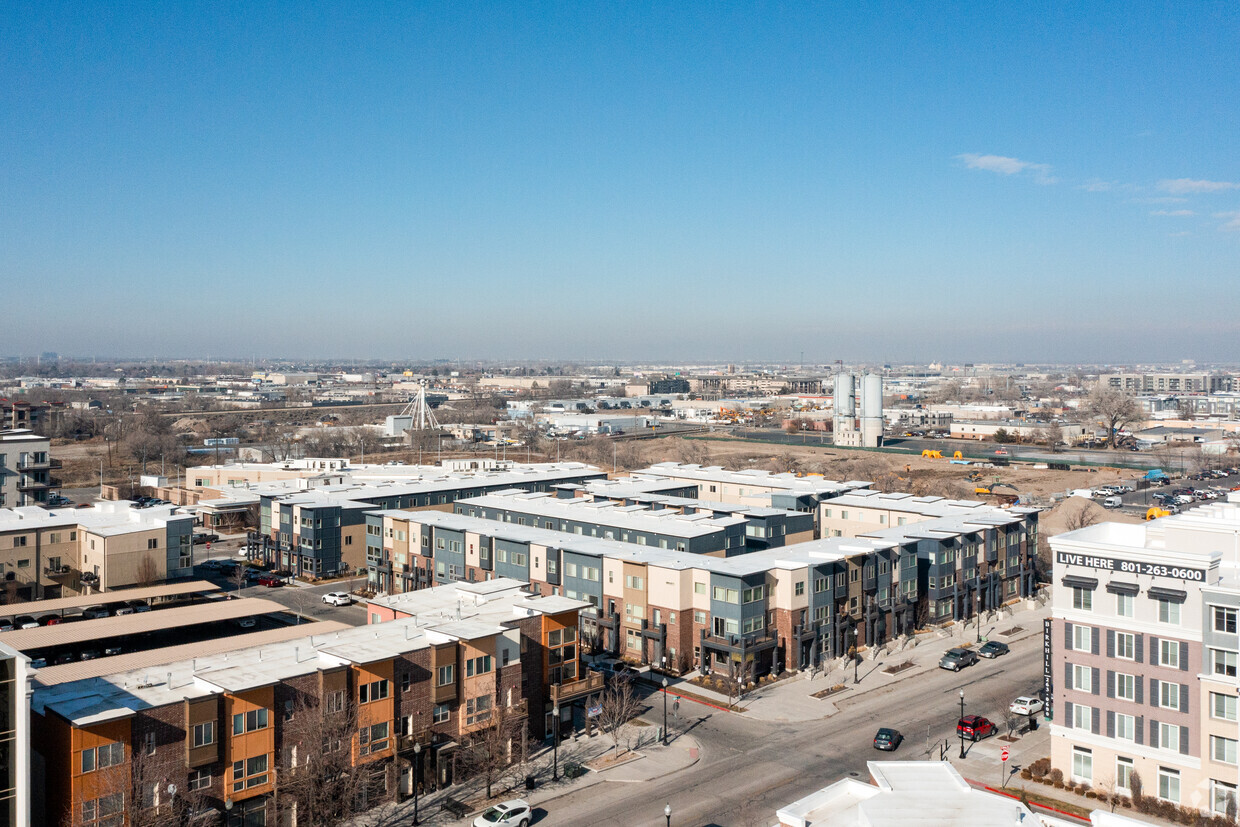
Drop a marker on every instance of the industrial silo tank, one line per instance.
(845, 395)
(871, 395)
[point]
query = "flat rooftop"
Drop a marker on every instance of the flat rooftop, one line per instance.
(84, 631)
(105, 518)
(602, 512)
(792, 483)
(38, 608)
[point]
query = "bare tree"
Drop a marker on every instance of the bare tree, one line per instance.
(1113, 408)
(239, 576)
(617, 706)
(1081, 517)
(320, 780)
(489, 752)
(147, 573)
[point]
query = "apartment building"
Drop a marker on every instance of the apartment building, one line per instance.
(318, 531)
(18, 414)
(753, 487)
(25, 468)
(699, 533)
(1168, 382)
(47, 554)
(15, 674)
(224, 732)
(1142, 656)
(780, 608)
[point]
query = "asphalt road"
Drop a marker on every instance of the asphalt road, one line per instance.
(749, 769)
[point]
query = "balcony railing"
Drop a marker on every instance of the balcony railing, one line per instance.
(38, 465)
(564, 692)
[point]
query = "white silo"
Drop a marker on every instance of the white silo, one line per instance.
(871, 410)
(845, 423)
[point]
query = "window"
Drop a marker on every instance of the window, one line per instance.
(634, 612)
(1082, 678)
(1082, 717)
(1169, 695)
(1224, 620)
(1124, 604)
(1224, 662)
(634, 582)
(478, 710)
(1221, 796)
(335, 700)
(199, 779)
(1223, 749)
(1169, 653)
(799, 588)
(477, 666)
(1125, 687)
(244, 722)
(1169, 784)
(441, 714)
(1082, 638)
(148, 743)
(725, 595)
(1125, 645)
(1222, 706)
(446, 674)
(152, 543)
(1125, 727)
(372, 739)
(1082, 764)
(699, 617)
(251, 772)
(1168, 737)
(204, 734)
(1169, 612)
(1124, 768)
(754, 595)
(102, 808)
(98, 758)
(753, 624)
(1083, 599)
(699, 588)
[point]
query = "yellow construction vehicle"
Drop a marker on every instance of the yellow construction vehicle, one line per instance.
(1155, 512)
(928, 454)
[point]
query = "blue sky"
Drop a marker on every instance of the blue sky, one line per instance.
(622, 181)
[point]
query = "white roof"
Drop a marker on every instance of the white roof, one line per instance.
(105, 518)
(603, 512)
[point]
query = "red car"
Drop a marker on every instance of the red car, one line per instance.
(270, 581)
(975, 727)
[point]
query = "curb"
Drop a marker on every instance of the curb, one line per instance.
(1054, 810)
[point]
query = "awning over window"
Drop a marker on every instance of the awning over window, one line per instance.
(1123, 588)
(1173, 595)
(1074, 582)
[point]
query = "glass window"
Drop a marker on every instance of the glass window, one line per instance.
(199, 779)
(1125, 645)
(1125, 687)
(1082, 717)
(1083, 599)
(1224, 620)
(1082, 764)
(1082, 678)
(244, 722)
(1124, 604)
(1224, 662)
(442, 713)
(1169, 784)
(1082, 638)
(1169, 653)
(1169, 695)
(1125, 727)
(447, 674)
(1223, 706)
(1223, 749)
(204, 734)
(699, 588)
(1169, 612)
(1221, 796)
(1124, 767)
(1168, 737)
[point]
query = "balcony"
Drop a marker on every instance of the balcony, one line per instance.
(37, 485)
(567, 692)
(38, 465)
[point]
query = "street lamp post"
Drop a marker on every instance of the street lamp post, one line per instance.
(554, 770)
(958, 726)
(417, 748)
(667, 813)
(977, 608)
(856, 657)
(665, 712)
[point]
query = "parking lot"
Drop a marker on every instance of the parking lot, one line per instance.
(1211, 489)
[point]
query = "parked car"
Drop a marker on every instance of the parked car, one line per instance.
(124, 611)
(270, 581)
(246, 622)
(1114, 501)
(96, 612)
(957, 659)
(204, 537)
(888, 740)
(338, 598)
(138, 606)
(993, 649)
(6, 624)
(1026, 705)
(25, 622)
(975, 727)
(515, 812)
(51, 620)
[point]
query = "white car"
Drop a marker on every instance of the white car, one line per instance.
(1026, 705)
(338, 599)
(515, 812)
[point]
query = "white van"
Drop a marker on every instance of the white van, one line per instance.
(1113, 502)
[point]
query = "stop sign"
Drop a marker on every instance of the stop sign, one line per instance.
(208, 546)
(1004, 754)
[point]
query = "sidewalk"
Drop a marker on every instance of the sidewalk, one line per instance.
(792, 699)
(655, 761)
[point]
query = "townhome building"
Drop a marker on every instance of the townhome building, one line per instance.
(318, 531)
(25, 468)
(15, 790)
(223, 733)
(47, 554)
(1141, 656)
(753, 487)
(699, 533)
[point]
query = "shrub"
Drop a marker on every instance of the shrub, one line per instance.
(1057, 778)
(1091, 794)
(1058, 784)
(1026, 774)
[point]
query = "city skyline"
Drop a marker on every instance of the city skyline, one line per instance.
(636, 183)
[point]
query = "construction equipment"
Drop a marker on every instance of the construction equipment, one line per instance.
(1155, 512)
(957, 455)
(928, 454)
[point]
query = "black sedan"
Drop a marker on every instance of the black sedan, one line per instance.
(993, 649)
(888, 740)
